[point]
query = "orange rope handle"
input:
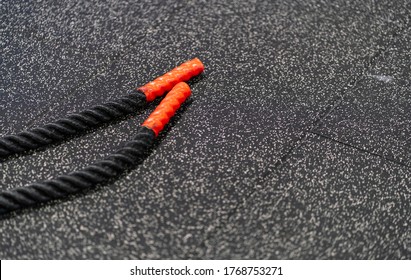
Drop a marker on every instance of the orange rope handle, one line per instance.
(167, 107)
(164, 83)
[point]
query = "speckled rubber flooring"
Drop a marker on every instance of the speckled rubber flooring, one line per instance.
(295, 144)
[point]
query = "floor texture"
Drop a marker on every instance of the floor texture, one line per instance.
(296, 142)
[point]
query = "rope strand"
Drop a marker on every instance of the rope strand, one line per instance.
(94, 117)
(71, 125)
(100, 172)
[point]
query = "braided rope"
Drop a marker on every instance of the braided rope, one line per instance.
(77, 181)
(72, 125)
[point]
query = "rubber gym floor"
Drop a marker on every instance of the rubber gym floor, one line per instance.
(295, 143)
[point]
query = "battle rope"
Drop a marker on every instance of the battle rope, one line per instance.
(102, 171)
(94, 117)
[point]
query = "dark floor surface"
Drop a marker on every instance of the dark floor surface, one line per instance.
(295, 144)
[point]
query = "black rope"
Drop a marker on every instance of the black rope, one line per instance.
(100, 172)
(72, 125)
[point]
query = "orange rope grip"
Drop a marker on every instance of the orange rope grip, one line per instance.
(167, 107)
(164, 83)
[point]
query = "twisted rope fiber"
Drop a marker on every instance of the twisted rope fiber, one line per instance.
(100, 172)
(71, 125)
